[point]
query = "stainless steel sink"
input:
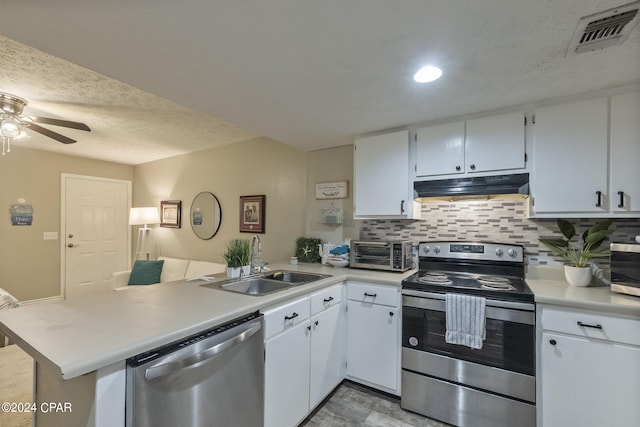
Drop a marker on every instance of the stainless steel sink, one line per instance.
(295, 277)
(256, 286)
(266, 283)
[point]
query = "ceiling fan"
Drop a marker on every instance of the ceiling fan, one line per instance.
(12, 122)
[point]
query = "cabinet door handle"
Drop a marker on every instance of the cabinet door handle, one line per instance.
(472, 167)
(599, 202)
(391, 313)
(621, 194)
(316, 323)
(370, 295)
(586, 325)
(293, 316)
(401, 206)
(308, 328)
(326, 300)
(553, 342)
(458, 168)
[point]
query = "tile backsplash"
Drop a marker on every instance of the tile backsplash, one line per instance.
(490, 221)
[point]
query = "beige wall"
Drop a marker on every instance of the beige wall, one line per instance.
(29, 265)
(259, 166)
(332, 164)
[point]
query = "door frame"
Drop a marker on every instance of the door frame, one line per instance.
(63, 220)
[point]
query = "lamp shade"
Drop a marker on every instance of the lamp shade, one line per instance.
(144, 216)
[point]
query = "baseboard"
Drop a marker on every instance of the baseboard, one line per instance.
(39, 300)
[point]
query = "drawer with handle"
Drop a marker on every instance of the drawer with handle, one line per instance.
(285, 316)
(326, 298)
(591, 325)
(382, 295)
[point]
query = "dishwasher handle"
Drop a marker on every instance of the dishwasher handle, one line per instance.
(210, 353)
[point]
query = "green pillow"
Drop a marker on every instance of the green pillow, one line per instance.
(146, 272)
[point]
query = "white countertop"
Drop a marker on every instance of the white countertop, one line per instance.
(549, 287)
(80, 335)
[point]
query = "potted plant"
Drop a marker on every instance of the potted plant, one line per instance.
(237, 254)
(577, 256)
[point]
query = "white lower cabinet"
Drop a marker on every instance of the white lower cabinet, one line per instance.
(287, 377)
(304, 355)
(373, 335)
(590, 369)
(327, 353)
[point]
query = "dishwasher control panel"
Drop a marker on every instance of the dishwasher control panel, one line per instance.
(190, 340)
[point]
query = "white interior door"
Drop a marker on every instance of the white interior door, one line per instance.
(95, 232)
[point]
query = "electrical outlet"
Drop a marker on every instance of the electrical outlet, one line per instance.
(50, 235)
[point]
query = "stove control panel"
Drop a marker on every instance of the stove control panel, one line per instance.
(464, 250)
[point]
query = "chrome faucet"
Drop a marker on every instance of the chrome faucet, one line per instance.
(253, 242)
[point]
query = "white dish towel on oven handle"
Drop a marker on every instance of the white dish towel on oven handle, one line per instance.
(466, 320)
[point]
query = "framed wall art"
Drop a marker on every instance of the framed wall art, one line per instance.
(332, 190)
(252, 210)
(170, 213)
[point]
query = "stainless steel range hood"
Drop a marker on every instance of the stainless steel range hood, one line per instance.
(514, 185)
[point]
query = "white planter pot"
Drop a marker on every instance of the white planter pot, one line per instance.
(234, 272)
(577, 276)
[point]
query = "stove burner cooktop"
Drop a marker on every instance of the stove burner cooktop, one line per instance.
(500, 287)
(496, 282)
(490, 270)
(436, 278)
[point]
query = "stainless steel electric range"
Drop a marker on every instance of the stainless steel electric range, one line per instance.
(492, 386)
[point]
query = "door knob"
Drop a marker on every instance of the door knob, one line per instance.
(70, 245)
(71, 236)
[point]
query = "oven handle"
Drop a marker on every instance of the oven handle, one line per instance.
(516, 312)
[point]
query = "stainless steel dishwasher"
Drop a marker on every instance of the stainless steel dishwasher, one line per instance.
(214, 378)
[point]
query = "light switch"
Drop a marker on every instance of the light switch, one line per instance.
(50, 235)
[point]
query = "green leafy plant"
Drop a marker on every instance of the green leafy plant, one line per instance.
(578, 254)
(237, 253)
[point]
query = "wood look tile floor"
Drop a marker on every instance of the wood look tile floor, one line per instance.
(352, 405)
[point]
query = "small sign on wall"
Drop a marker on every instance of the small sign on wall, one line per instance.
(21, 214)
(332, 190)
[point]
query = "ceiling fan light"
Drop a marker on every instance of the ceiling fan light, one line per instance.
(427, 74)
(10, 128)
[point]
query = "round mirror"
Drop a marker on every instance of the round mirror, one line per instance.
(206, 215)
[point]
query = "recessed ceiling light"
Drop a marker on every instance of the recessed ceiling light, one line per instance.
(427, 74)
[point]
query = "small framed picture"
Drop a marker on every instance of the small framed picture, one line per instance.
(170, 212)
(252, 210)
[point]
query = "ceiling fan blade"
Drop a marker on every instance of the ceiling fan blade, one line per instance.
(58, 122)
(51, 134)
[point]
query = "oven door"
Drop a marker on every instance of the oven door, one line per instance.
(510, 337)
(489, 387)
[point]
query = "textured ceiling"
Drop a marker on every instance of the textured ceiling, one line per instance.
(171, 77)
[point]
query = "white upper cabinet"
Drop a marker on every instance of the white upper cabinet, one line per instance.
(382, 187)
(487, 144)
(496, 143)
(625, 153)
(586, 157)
(440, 149)
(570, 158)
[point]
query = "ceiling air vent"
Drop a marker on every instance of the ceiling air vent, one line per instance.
(604, 29)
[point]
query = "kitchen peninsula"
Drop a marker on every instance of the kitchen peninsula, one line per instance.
(86, 340)
(80, 345)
